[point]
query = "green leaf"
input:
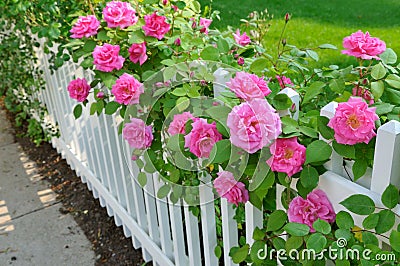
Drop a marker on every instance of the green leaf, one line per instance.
(240, 254)
(393, 96)
(393, 80)
(386, 221)
(322, 226)
(318, 151)
(324, 130)
(168, 62)
(77, 111)
(359, 168)
(257, 252)
(219, 112)
(347, 151)
(309, 177)
(259, 65)
(344, 220)
(179, 91)
(142, 179)
(313, 90)
(176, 142)
(327, 46)
(312, 54)
(109, 80)
(163, 191)
(359, 204)
(89, 46)
(377, 89)
(384, 108)
(371, 221)
(395, 240)
(258, 234)
(337, 85)
(308, 131)
(222, 45)
(389, 56)
(296, 229)
(182, 103)
(210, 53)
(369, 238)
(390, 197)
(316, 242)
(293, 242)
(169, 73)
(378, 71)
(218, 251)
(102, 36)
(221, 151)
(111, 107)
(282, 101)
(180, 4)
(276, 220)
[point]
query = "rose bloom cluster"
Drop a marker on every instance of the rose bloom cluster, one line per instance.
(202, 137)
(107, 57)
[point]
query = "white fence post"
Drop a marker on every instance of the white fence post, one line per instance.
(208, 224)
(386, 169)
(229, 230)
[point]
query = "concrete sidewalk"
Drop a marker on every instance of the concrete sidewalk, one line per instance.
(32, 230)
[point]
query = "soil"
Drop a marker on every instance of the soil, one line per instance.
(109, 243)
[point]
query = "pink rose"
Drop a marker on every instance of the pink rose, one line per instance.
(307, 211)
(119, 14)
(78, 89)
(240, 61)
(248, 86)
(253, 125)
(107, 58)
(241, 39)
(202, 138)
(205, 23)
(288, 156)
(354, 122)
(178, 124)
(227, 187)
(138, 135)
(137, 53)
(127, 89)
(155, 26)
(85, 27)
(363, 46)
(284, 81)
(363, 93)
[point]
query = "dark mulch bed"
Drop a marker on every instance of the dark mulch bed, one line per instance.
(109, 243)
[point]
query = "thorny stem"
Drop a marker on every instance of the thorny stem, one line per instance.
(91, 7)
(380, 208)
(365, 230)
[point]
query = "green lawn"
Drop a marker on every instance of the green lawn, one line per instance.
(316, 22)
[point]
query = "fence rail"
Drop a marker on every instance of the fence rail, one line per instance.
(170, 234)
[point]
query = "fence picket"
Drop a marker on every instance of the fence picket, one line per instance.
(229, 230)
(207, 213)
(386, 169)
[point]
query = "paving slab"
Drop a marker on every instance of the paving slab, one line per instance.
(32, 230)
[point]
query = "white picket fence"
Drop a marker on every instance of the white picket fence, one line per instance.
(169, 234)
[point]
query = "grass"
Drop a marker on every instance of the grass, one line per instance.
(319, 21)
